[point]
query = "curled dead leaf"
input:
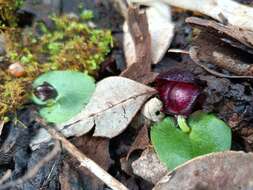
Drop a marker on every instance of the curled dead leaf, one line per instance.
(225, 170)
(227, 47)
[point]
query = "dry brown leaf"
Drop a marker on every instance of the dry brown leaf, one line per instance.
(141, 141)
(232, 35)
(218, 171)
(224, 46)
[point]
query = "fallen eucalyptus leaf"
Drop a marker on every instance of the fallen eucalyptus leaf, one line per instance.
(161, 30)
(73, 88)
(225, 170)
(149, 167)
(223, 10)
(174, 147)
(113, 105)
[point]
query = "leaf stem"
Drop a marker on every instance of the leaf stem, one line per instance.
(183, 124)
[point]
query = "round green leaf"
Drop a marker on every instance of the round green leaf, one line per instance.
(208, 133)
(74, 91)
(171, 144)
(174, 147)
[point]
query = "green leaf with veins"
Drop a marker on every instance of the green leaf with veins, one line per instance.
(207, 134)
(74, 90)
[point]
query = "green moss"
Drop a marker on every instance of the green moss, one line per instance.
(8, 10)
(71, 45)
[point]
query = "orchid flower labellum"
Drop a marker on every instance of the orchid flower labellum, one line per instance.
(179, 91)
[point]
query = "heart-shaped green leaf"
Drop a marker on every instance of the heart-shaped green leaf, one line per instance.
(207, 134)
(74, 90)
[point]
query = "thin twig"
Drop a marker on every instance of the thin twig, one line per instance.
(34, 170)
(84, 160)
(193, 54)
(6, 176)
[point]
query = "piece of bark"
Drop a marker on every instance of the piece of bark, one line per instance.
(140, 70)
(141, 141)
(149, 167)
(161, 29)
(228, 170)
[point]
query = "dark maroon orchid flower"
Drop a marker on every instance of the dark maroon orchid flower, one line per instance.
(45, 92)
(179, 91)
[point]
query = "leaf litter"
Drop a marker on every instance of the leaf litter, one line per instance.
(229, 97)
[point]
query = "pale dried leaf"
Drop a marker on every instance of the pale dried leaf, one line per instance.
(225, 170)
(223, 10)
(113, 105)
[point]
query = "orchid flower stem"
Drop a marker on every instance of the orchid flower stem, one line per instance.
(183, 124)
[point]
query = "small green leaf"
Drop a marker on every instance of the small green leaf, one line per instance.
(86, 15)
(173, 146)
(74, 91)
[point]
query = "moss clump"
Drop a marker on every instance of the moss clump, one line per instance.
(71, 45)
(8, 12)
